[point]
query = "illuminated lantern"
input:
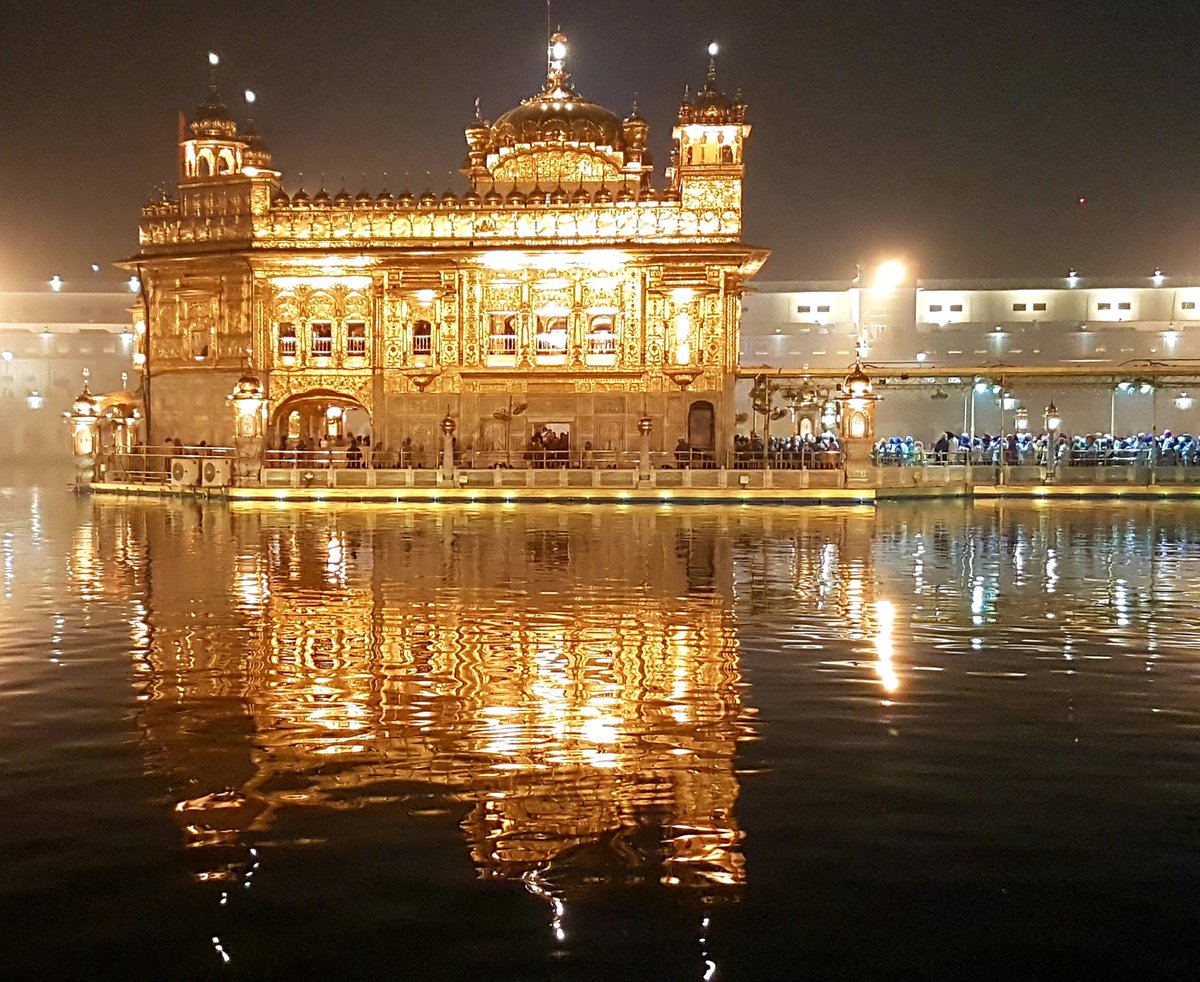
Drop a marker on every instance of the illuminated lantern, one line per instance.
(857, 402)
(84, 418)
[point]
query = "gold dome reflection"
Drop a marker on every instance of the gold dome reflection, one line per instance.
(579, 690)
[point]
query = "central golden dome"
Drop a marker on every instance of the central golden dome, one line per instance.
(556, 136)
(558, 114)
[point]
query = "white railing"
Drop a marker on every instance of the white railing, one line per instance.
(552, 343)
(602, 344)
(502, 344)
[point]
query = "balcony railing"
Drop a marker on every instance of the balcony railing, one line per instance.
(356, 347)
(502, 344)
(602, 344)
(287, 347)
(422, 344)
(322, 347)
(552, 343)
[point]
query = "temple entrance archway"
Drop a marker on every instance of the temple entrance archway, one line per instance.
(320, 418)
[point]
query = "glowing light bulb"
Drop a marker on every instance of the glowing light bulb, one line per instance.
(250, 97)
(890, 274)
(713, 49)
(214, 59)
(558, 51)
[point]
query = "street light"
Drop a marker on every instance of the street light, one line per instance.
(1051, 418)
(1022, 420)
(1182, 401)
(890, 275)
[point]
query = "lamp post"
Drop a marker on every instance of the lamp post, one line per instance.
(645, 425)
(248, 401)
(1051, 420)
(856, 405)
(84, 418)
(448, 427)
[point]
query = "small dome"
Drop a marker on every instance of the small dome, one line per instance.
(558, 196)
(321, 199)
(363, 199)
(603, 196)
(385, 199)
(537, 197)
(514, 197)
(428, 199)
(280, 199)
(471, 199)
(405, 199)
(256, 153)
(635, 128)
(648, 194)
(625, 195)
(581, 196)
(493, 199)
(449, 200)
(213, 118)
(670, 195)
(343, 199)
(300, 198)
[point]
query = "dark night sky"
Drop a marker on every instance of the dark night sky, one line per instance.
(957, 135)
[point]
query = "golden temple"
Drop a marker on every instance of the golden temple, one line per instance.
(562, 278)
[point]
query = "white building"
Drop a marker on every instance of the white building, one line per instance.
(969, 344)
(47, 338)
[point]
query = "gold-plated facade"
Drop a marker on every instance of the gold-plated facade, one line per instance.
(562, 276)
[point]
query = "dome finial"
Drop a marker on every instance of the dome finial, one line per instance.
(556, 60)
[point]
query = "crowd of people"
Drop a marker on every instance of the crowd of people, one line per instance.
(822, 452)
(1017, 449)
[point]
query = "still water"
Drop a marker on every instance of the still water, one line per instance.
(609, 743)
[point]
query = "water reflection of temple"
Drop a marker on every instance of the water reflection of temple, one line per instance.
(578, 692)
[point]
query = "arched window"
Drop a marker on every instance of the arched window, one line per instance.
(552, 335)
(602, 338)
(502, 334)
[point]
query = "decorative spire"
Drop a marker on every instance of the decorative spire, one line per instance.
(713, 51)
(558, 84)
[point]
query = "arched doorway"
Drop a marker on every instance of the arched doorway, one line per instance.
(317, 420)
(701, 425)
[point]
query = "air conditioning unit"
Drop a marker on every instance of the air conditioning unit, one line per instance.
(185, 472)
(214, 473)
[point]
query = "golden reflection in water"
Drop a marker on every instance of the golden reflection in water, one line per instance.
(885, 618)
(579, 691)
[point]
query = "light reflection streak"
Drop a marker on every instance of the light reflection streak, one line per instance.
(885, 618)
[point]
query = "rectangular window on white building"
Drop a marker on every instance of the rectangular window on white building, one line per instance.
(1018, 306)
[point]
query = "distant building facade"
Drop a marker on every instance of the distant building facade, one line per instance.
(562, 280)
(48, 339)
(1071, 340)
